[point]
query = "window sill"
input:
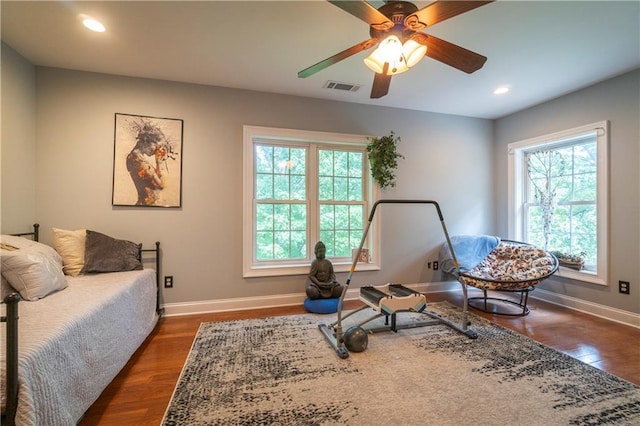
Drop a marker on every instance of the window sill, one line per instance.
(586, 276)
(279, 270)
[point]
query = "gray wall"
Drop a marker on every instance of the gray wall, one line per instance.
(202, 240)
(18, 147)
(460, 162)
(616, 100)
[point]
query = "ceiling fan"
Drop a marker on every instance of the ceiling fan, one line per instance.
(394, 27)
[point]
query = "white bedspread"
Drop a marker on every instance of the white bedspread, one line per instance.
(74, 342)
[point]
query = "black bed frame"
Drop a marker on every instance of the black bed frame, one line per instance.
(11, 300)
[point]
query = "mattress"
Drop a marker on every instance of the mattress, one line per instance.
(74, 342)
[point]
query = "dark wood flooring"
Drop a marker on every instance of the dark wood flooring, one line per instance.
(141, 392)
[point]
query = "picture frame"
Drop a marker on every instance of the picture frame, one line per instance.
(147, 161)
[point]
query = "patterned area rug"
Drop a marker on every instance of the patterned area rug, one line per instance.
(282, 371)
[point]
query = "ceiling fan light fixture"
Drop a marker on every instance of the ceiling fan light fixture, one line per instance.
(389, 51)
(413, 52)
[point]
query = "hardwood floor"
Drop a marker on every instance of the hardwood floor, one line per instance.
(142, 390)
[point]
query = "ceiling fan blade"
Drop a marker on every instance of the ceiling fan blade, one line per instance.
(451, 54)
(364, 11)
(367, 44)
(439, 11)
(381, 83)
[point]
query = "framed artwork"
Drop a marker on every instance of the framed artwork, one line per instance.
(147, 161)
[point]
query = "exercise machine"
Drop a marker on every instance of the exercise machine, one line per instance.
(391, 299)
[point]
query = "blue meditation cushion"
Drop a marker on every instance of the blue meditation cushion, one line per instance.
(322, 306)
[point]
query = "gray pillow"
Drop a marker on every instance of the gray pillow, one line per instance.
(105, 254)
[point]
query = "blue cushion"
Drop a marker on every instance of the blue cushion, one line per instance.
(322, 306)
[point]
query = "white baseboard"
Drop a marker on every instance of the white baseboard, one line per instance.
(247, 303)
(612, 314)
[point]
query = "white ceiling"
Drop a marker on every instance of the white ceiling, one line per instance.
(542, 49)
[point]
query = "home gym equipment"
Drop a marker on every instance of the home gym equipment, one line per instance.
(389, 300)
(356, 339)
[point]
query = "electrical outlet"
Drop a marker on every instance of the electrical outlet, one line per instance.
(435, 265)
(168, 281)
(623, 287)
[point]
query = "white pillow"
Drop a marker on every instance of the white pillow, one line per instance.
(32, 268)
(70, 245)
(5, 288)
(26, 243)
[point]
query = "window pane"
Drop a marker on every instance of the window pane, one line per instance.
(328, 238)
(281, 231)
(298, 245)
(341, 216)
(569, 176)
(355, 189)
(325, 188)
(264, 245)
(298, 161)
(355, 238)
(281, 217)
(264, 159)
(341, 189)
(299, 217)
(298, 188)
(585, 187)
(325, 163)
(280, 187)
(264, 217)
(326, 217)
(356, 216)
(355, 164)
(282, 245)
(342, 244)
(264, 186)
(342, 224)
(585, 157)
(341, 163)
(280, 173)
(281, 159)
(564, 188)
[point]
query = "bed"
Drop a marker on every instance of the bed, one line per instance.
(73, 341)
(489, 263)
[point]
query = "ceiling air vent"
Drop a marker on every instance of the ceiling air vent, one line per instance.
(348, 87)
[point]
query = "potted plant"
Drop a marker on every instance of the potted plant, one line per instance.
(383, 157)
(570, 260)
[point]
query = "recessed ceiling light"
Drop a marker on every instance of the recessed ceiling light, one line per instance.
(501, 90)
(93, 25)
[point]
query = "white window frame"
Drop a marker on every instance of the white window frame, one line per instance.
(250, 267)
(516, 189)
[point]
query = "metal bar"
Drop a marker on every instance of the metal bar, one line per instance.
(156, 252)
(11, 301)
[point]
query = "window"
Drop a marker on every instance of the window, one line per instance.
(558, 196)
(299, 188)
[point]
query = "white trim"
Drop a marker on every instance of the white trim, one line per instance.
(249, 303)
(251, 133)
(515, 188)
(602, 311)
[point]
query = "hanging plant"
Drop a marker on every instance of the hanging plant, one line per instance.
(383, 157)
